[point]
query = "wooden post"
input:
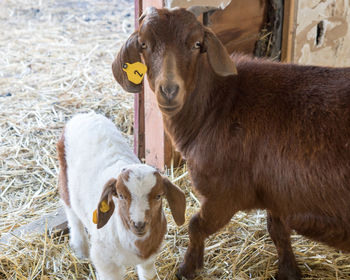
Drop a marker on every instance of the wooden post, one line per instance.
(139, 108)
(288, 33)
(152, 140)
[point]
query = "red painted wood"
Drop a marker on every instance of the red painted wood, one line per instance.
(155, 140)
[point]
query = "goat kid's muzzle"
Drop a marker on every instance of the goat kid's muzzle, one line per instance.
(139, 228)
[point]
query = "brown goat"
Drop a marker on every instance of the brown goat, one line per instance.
(256, 134)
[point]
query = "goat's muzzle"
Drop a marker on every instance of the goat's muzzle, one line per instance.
(169, 98)
(169, 91)
(139, 228)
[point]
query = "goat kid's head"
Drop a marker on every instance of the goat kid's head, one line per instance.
(172, 44)
(139, 190)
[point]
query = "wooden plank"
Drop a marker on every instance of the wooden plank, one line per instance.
(238, 25)
(156, 142)
(289, 26)
(54, 222)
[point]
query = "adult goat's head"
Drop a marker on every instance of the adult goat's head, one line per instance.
(174, 46)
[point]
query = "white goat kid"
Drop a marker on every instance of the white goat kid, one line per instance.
(99, 170)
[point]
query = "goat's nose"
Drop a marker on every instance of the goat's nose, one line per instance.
(139, 226)
(169, 91)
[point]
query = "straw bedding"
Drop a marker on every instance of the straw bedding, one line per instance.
(55, 60)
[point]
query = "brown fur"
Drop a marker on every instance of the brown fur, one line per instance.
(115, 187)
(107, 196)
(274, 136)
(124, 204)
(62, 176)
(176, 200)
(157, 224)
(155, 218)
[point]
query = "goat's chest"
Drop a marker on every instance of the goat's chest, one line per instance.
(224, 176)
(121, 252)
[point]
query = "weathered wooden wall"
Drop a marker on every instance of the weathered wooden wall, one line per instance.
(322, 35)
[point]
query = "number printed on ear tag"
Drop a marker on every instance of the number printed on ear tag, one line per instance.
(135, 72)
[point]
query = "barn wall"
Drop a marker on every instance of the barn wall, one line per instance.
(322, 33)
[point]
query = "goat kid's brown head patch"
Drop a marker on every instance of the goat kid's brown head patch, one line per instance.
(173, 45)
(139, 190)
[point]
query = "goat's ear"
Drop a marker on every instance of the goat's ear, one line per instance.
(176, 199)
(218, 57)
(129, 53)
(106, 205)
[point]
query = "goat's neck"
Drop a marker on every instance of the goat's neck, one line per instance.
(212, 95)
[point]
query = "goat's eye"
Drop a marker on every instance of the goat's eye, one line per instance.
(197, 45)
(143, 46)
(121, 196)
(158, 197)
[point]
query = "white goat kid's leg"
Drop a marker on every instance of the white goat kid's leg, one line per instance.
(78, 239)
(112, 272)
(146, 271)
(106, 269)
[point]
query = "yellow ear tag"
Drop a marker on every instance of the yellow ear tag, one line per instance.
(135, 72)
(104, 207)
(94, 217)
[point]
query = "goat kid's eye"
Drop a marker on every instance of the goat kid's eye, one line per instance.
(197, 45)
(121, 196)
(158, 197)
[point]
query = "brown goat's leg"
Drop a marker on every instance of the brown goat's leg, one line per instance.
(213, 215)
(280, 235)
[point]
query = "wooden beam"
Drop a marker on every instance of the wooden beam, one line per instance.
(289, 26)
(53, 222)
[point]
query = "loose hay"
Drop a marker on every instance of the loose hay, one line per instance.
(55, 60)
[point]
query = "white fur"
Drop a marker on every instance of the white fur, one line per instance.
(95, 152)
(139, 190)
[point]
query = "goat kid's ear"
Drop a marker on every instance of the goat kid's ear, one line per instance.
(129, 53)
(176, 199)
(106, 205)
(218, 57)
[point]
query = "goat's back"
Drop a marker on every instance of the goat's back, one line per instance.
(92, 142)
(95, 151)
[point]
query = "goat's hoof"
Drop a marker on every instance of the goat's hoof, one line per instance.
(179, 276)
(183, 273)
(288, 275)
